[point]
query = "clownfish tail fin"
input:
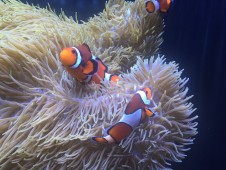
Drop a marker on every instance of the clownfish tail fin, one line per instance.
(111, 77)
(115, 78)
(99, 139)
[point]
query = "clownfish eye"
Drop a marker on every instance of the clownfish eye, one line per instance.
(73, 51)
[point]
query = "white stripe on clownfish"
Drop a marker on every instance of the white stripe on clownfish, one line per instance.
(136, 111)
(79, 59)
(107, 76)
(94, 57)
(144, 97)
(81, 63)
(157, 6)
(132, 119)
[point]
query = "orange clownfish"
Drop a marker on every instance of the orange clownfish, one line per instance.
(136, 112)
(155, 5)
(85, 67)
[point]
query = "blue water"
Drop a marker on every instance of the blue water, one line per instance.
(195, 37)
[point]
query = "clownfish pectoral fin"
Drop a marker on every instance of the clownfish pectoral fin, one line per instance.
(119, 131)
(149, 113)
(100, 139)
(150, 7)
(90, 67)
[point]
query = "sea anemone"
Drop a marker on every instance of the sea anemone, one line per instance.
(47, 119)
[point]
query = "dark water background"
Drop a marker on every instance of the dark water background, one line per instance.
(195, 37)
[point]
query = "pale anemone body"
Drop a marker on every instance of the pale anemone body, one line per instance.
(47, 119)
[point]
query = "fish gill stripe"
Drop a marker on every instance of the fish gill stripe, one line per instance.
(79, 59)
(107, 76)
(144, 97)
(133, 119)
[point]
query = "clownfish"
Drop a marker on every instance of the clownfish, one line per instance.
(136, 112)
(84, 66)
(155, 5)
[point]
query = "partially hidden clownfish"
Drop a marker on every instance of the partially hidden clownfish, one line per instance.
(84, 66)
(136, 112)
(155, 5)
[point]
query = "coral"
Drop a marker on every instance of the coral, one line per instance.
(47, 118)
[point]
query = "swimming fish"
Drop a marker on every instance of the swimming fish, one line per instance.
(155, 5)
(84, 66)
(136, 112)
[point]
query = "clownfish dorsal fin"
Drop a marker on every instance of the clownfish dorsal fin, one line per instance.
(91, 67)
(84, 44)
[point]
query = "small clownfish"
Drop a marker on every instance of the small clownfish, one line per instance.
(155, 5)
(85, 67)
(136, 112)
